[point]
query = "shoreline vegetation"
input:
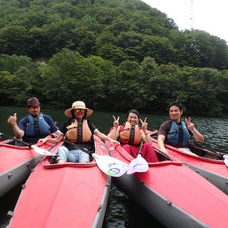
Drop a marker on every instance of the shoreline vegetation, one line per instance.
(114, 55)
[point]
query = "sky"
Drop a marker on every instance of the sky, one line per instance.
(207, 15)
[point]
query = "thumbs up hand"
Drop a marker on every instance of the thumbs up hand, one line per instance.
(12, 120)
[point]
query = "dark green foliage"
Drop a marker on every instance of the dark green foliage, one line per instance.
(113, 54)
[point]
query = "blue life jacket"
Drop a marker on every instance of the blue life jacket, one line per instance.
(37, 126)
(178, 134)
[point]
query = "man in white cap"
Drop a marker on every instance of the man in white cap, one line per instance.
(78, 135)
(34, 126)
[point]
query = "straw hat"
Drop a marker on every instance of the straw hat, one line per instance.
(78, 105)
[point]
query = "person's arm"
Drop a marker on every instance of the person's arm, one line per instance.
(58, 138)
(164, 128)
(161, 145)
(114, 132)
(146, 137)
(195, 133)
(144, 132)
(12, 121)
(105, 137)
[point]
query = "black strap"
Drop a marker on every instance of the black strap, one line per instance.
(181, 135)
(140, 147)
(80, 133)
(36, 126)
(132, 135)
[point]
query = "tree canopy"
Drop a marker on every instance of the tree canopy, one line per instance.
(114, 54)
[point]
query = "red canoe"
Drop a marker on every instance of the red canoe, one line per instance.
(207, 166)
(16, 163)
(66, 195)
(174, 194)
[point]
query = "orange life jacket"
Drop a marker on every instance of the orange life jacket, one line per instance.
(130, 134)
(78, 132)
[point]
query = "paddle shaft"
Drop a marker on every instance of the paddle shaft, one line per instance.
(78, 147)
(22, 142)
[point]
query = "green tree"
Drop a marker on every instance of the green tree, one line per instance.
(6, 87)
(13, 40)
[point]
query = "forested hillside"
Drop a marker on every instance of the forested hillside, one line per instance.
(114, 54)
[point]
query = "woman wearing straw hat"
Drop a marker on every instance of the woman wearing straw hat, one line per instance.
(78, 135)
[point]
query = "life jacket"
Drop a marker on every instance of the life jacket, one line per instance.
(36, 126)
(78, 132)
(178, 134)
(130, 134)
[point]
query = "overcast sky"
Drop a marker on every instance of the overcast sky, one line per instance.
(208, 15)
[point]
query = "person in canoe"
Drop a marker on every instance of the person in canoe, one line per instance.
(177, 132)
(133, 138)
(34, 126)
(78, 135)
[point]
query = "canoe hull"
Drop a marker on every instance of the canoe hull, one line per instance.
(213, 170)
(17, 175)
(156, 205)
(219, 181)
(16, 163)
(66, 195)
(175, 195)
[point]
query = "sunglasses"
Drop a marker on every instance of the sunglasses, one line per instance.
(34, 106)
(79, 110)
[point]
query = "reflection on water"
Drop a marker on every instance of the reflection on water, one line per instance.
(121, 212)
(216, 133)
(7, 203)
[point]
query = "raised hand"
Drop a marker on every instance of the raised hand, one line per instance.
(189, 124)
(144, 124)
(116, 121)
(12, 120)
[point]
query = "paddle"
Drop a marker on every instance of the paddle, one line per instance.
(226, 159)
(116, 168)
(36, 149)
(22, 142)
(111, 166)
(41, 151)
(139, 164)
(1, 134)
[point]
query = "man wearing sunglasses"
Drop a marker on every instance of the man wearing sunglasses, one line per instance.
(35, 126)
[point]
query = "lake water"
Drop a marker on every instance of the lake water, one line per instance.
(121, 212)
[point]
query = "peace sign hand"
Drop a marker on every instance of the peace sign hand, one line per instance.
(116, 121)
(189, 124)
(144, 124)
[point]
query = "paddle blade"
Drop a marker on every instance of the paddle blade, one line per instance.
(41, 151)
(226, 159)
(138, 164)
(110, 166)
